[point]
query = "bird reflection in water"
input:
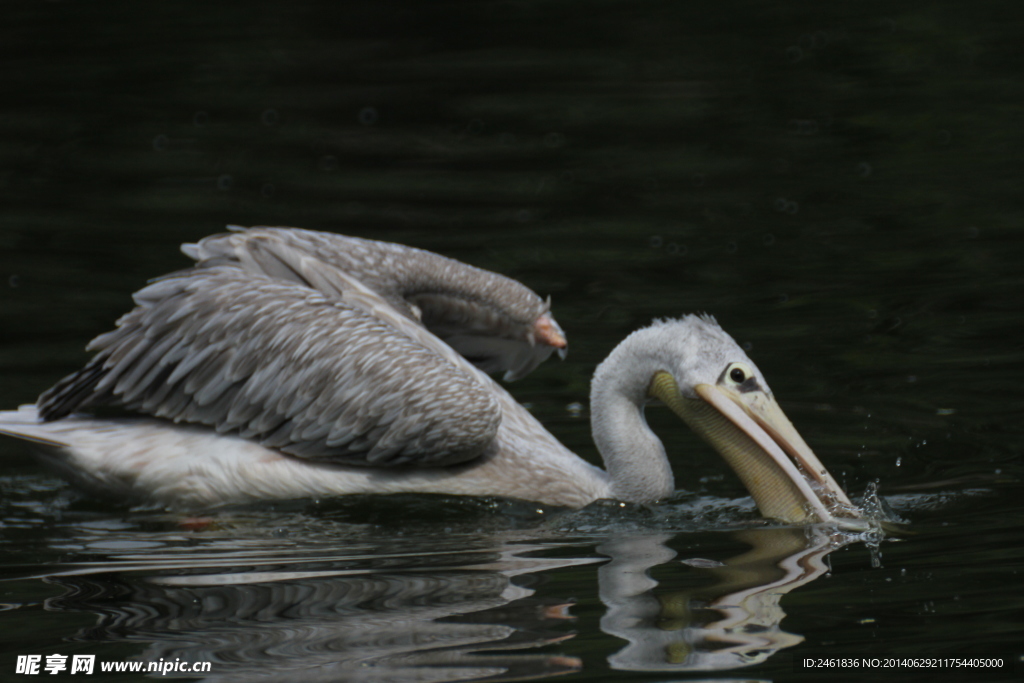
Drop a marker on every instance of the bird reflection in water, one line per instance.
(733, 621)
(327, 615)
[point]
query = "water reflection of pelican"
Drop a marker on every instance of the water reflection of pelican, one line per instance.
(263, 616)
(329, 365)
(466, 611)
(732, 622)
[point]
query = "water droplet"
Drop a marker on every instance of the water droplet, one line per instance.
(200, 118)
(368, 116)
(784, 205)
(655, 241)
(224, 182)
(161, 142)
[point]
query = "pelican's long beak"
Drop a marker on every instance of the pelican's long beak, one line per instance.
(760, 444)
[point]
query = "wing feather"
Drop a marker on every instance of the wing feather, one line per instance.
(311, 375)
(147, 368)
(488, 318)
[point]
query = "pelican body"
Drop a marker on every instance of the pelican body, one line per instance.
(289, 364)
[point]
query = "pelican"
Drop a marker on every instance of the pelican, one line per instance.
(289, 363)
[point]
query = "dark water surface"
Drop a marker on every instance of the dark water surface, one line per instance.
(839, 183)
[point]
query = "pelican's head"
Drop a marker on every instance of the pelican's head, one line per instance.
(695, 368)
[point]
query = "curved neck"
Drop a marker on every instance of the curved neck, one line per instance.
(634, 457)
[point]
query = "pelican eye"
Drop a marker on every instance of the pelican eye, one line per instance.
(740, 376)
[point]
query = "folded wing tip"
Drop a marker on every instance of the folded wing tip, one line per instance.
(547, 331)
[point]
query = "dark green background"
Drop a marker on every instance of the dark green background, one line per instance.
(840, 183)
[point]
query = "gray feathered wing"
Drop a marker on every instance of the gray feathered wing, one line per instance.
(274, 339)
(286, 366)
(490, 319)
